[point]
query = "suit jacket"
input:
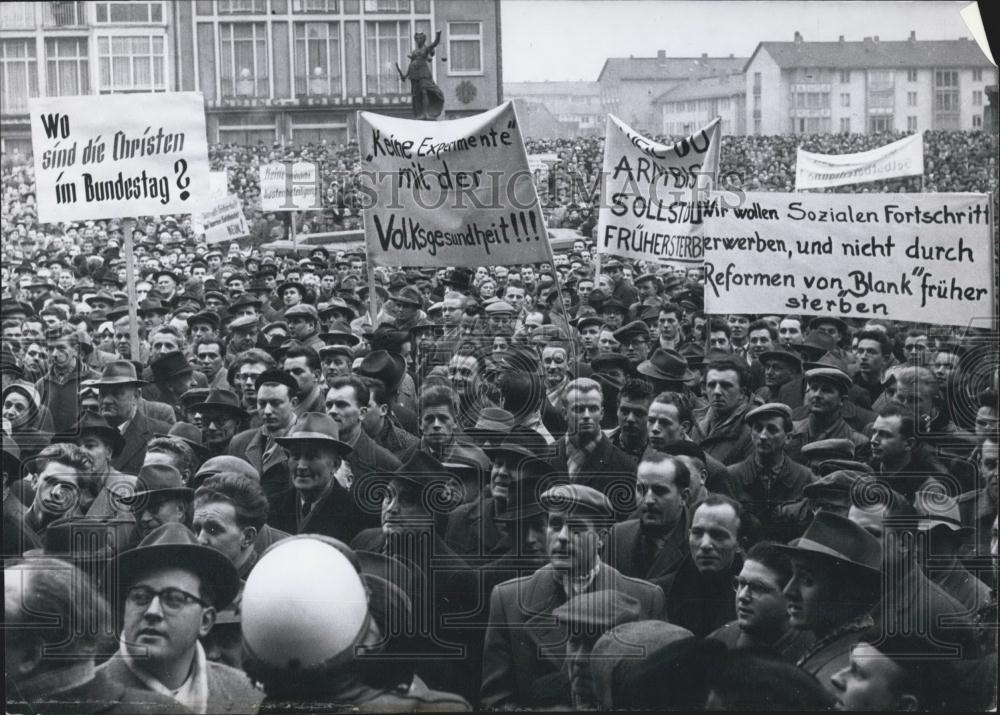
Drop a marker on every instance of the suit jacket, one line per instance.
(607, 469)
(229, 689)
(624, 550)
(159, 410)
(102, 695)
(266, 456)
(700, 603)
(369, 457)
(333, 514)
(525, 647)
(138, 435)
(471, 531)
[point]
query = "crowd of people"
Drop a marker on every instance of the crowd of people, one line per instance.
(296, 484)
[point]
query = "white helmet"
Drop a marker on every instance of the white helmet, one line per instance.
(304, 603)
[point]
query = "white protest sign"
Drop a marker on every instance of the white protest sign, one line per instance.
(218, 183)
(915, 257)
(653, 195)
(539, 165)
(109, 156)
(289, 187)
(451, 193)
(819, 171)
(225, 221)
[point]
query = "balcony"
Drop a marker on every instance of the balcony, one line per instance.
(806, 88)
(800, 112)
(63, 14)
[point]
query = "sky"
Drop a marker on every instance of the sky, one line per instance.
(570, 39)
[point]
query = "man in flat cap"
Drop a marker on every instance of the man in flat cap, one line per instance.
(303, 325)
(524, 657)
(826, 393)
(768, 478)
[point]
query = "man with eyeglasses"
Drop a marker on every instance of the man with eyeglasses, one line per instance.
(173, 587)
(761, 610)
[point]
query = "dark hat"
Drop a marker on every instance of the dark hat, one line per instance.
(828, 466)
(258, 285)
(218, 295)
(608, 361)
(590, 614)
(205, 316)
(820, 319)
(828, 360)
(164, 272)
(577, 499)
(315, 427)
(691, 300)
(631, 330)
(119, 372)
(832, 448)
(784, 355)
(168, 365)
(8, 363)
(830, 374)
(613, 304)
(831, 536)
(340, 333)
(383, 365)
(303, 291)
(816, 345)
(245, 299)
(152, 307)
(90, 423)
(583, 322)
(158, 479)
(226, 463)
(647, 277)
(938, 509)
(460, 279)
(277, 376)
(302, 310)
(837, 484)
(193, 396)
(664, 364)
(425, 471)
(190, 435)
(79, 540)
(243, 322)
(222, 400)
(528, 451)
(770, 409)
(408, 295)
(175, 546)
(118, 310)
(101, 296)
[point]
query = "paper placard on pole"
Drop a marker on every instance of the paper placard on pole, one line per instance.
(289, 187)
(109, 156)
(450, 193)
(654, 195)
(540, 164)
(225, 221)
(900, 158)
(218, 183)
(915, 257)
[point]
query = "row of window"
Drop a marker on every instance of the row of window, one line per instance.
(945, 100)
(138, 63)
(941, 77)
(259, 7)
(700, 105)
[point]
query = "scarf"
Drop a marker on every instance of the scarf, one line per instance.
(193, 693)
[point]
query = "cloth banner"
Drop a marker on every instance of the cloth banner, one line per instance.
(819, 171)
(654, 195)
(109, 156)
(449, 193)
(225, 221)
(924, 258)
(289, 187)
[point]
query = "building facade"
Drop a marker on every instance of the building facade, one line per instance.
(690, 106)
(270, 70)
(576, 107)
(869, 86)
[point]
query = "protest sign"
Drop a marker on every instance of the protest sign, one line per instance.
(653, 195)
(919, 257)
(539, 165)
(218, 183)
(225, 221)
(819, 171)
(451, 193)
(289, 187)
(108, 156)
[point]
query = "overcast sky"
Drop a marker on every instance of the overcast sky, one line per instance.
(570, 39)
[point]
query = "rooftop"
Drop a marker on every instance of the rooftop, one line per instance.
(662, 67)
(875, 54)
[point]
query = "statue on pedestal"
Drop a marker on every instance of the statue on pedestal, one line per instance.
(428, 99)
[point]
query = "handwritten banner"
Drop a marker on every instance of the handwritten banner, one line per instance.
(110, 156)
(225, 221)
(289, 187)
(916, 257)
(819, 171)
(451, 193)
(652, 202)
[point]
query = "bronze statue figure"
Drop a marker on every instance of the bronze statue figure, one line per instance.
(428, 99)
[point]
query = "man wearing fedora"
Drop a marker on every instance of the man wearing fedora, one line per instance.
(172, 376)
(836, 577)
(123, 408)
(524, 660)
(221, 419)
(316, 503)
(103, 442)
(159, 497)
(172, 588)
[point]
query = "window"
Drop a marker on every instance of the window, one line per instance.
(845, 76)
(243, 55)
(882, 123)
(946, 101)
(387, 5)
(317, 58)
(67, 67)
(911, 74)
(756, 127)
(911, 99)
(977, 121)
(386, 42)
(18, 74)
(946, 78)
(756, 82)
(131, 63)
(242, 7)
(845, 125)
(977, 98)
(911, 124)
(845, 99)
(17, 15)
(139, 12)
(316, 5)
(63, 14)
(465, 48)
(977, 75)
